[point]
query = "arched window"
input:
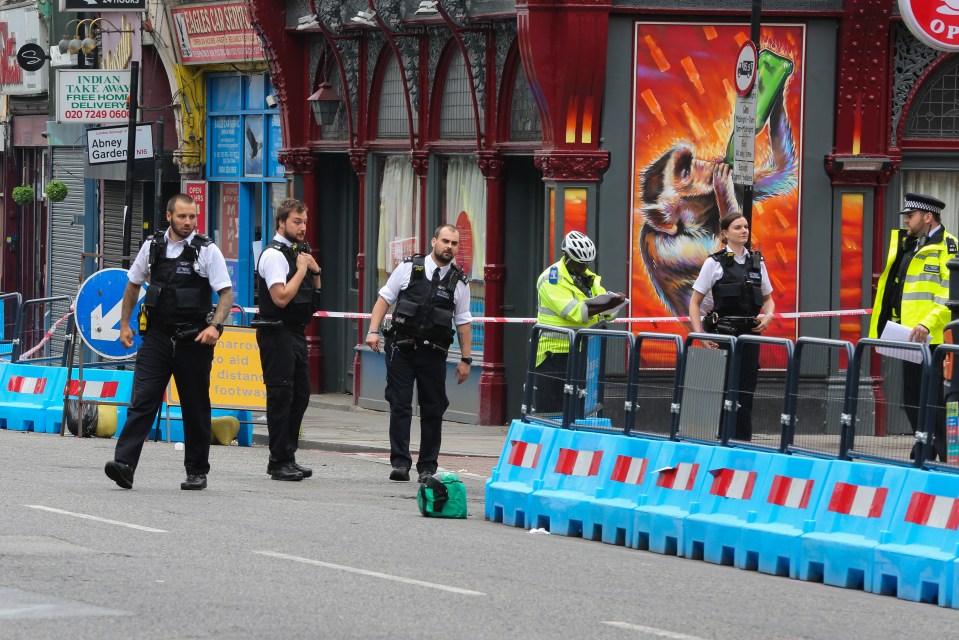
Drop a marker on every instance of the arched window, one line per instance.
(524, 124)
(391, 118)
(456, 112)
(934, 113)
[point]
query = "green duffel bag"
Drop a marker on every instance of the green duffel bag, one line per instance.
(442, 498)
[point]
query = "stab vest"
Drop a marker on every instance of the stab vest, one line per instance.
(177, 293)
(425, 312)
(739, 291)
(300, 309)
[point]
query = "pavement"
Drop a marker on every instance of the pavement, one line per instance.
(333, 423)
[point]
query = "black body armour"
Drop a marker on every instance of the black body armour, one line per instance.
(425, 312)
(739, 291)
(177, 293)
(300, 309)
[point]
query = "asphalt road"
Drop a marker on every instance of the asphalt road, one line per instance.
(347, 555)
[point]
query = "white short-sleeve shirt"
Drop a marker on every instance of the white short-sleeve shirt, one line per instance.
(209, 265)
(273, 267)
(712, 271)
(400, 279)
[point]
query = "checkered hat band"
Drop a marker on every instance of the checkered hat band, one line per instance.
(922, 206)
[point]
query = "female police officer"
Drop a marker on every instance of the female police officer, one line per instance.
(739, 286)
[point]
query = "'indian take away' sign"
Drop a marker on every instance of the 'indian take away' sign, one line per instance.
(92, 96)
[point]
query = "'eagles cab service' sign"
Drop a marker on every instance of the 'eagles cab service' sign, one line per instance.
(934, 22)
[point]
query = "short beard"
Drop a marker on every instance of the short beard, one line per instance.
(438, 258)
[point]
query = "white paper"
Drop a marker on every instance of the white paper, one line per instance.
(605, 298)
(898, 333)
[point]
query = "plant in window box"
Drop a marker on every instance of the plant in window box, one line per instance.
(23, 194)
(56, 191)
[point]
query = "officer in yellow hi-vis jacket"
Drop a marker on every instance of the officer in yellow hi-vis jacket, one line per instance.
(563, 290)
(913, 291)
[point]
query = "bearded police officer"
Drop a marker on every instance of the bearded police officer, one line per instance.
(288, 282)
(184, 268)
(431, 295)
(913, 291)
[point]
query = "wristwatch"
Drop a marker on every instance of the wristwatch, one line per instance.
(467, 360)
(218, 326)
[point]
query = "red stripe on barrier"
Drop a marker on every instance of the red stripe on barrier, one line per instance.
(567, 458)
(31, 386)
(629, 470)
(733, 483)
(790, 492)
(521, 452)
(941, 512)
(857, 500)
(573, 462)
(681, 477)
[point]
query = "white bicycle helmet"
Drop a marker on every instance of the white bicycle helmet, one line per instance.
(579, 247)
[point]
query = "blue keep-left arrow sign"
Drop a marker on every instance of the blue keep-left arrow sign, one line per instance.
(98, 308)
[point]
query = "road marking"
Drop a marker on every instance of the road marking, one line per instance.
(373, 574)
(653, 631)
(95, 518)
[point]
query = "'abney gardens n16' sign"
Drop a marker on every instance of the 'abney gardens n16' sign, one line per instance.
(92, 96)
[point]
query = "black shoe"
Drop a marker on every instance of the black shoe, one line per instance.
(120, 473)
(287, 472)
(400, 474)
(194, 482)
(306, 471)
(425, 476)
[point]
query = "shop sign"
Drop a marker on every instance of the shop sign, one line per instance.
(227, 147)
(19, 27)
(196, 189)
(215, 33)
(103, 5)
(109, 144)
(934, 22)
(92, 96)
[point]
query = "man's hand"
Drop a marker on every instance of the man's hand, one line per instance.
(918, 334)
(126, 335)
(373, 341)
(462, 372)
(305, 261)
(765, 319)
(208, 336)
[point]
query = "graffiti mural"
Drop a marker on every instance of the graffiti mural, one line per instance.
(683, 105)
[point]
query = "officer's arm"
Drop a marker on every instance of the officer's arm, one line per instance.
(283, 292)
(130, 296)
(562, 303)
(223, 305)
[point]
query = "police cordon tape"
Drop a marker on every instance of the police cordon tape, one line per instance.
(494, 320)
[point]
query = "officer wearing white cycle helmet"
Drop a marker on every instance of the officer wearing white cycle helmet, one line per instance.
(563, 290)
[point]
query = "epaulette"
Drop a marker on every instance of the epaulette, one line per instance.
(458, 274)
(416, 256)
(200, 240)
(951, 245)
(719, 255)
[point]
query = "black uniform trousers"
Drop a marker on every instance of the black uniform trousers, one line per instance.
(549, 378)
(287, 378)
(911, 388)
(427, 368)
(189, 363)
(748, 379)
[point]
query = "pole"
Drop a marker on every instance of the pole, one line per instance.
(158, 178)
(754, 35)
(131, 152)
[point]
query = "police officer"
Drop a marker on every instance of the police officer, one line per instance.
(288, 283)
(742, 303)
(184, 268)
(563, 290)
(432, 295)
(913, 291)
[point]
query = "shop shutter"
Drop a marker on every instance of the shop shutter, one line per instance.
(66, 223)
(114, 198)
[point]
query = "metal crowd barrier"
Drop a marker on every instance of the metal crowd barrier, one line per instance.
(821, 388)
(37, 317)
(602, 377)
(868, 437)
(657, 367)
(10, 304)
(814, 398)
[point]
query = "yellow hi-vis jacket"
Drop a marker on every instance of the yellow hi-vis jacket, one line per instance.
(562, 304)
(925, 289)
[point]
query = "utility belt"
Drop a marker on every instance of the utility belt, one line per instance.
(177, 331)
(276, 324)
(406, 341)
(728, 325)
